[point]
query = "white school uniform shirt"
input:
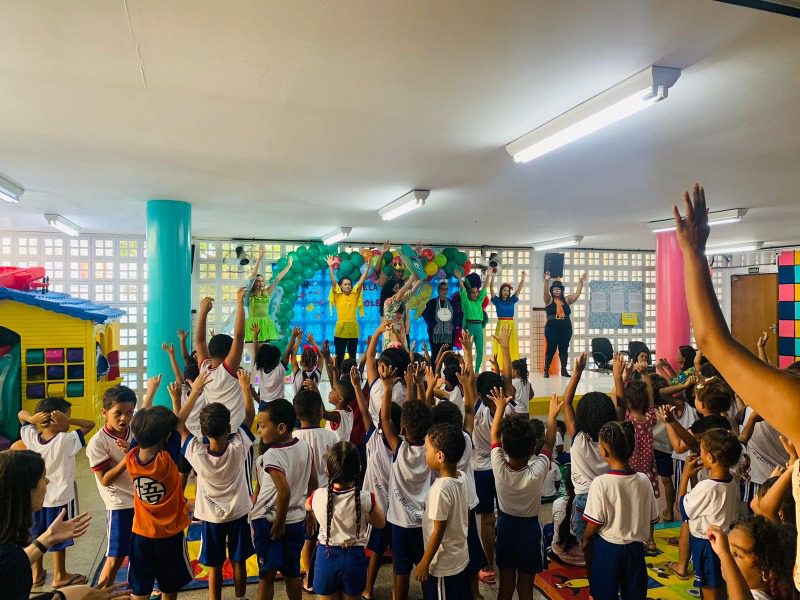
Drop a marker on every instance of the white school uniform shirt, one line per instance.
(301, 375)
(586, 462)
(765, 450)
(409, 482)
(343, 522)
(447, 501)
(376, 397)
(270, 385)
(661, 438)
(295, 460)
(688, 417)
(465, 466)
(379, 467)
(222, 491)
(103, 453)
(58, 454)
(455, 396)
(553, 476)
(344, 427)
(224, 388)
(711, 502)
(193, 420)
(482, 436)
(623, 505)
(320, 441)
(522, 394)
(519, 491)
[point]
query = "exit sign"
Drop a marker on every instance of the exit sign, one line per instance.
(752, 270)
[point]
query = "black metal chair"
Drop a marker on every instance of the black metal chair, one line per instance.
(602, 353)
(636, 348)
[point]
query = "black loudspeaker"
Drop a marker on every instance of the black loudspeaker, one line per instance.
(554, 264)
(191, 263)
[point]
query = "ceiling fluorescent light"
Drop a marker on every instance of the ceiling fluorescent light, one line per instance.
(404, 204)
(63, 225)
(10, 191)
(623, 100)
(559, 243)
(751, 247)
(719, 217)
(337, 235)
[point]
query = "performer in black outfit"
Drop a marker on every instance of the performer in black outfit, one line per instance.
(558, 329)
(441, 318)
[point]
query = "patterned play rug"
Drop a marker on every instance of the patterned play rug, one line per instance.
(563, 581)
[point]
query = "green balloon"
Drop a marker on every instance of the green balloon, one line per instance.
(290, 315)
(345, 269)
(279, 266)
(343, 257)
(308, 271)
(306, 259)
(450, 267)
(460, 258)
(289, 287)
(440, 260)
(449, 252)
(302, 250)
(356, 259)
(314, 249)
(388, 270)
(293, 255)
(387, 258)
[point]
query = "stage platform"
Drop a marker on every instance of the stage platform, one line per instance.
(543, 389)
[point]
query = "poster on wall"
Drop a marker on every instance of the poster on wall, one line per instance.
(616, 305)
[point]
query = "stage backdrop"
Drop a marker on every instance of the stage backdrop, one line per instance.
(616, 305)
(788, 307)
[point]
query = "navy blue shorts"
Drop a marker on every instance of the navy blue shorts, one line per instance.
(484, 485)
(519, 544)
(340, 569)
(379, 539)
(707, 568)
(162, 560)
(118, 531)
(43, 518)
(407, 548)
(477, 557)
(281, 555)
(216, 537)
(663, 463)
(617, 570)
(453, 587)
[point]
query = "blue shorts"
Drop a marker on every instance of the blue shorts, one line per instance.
(43, 518)
(484, 486)
(617, 570)
(281, 555)
(707, 568)
(477, 557)
(452, 587)
(379, 539)
(162, 560)
(216, 537)
(118, 532)
(407, 548)
(519, 544)
(577, 525)
(340, 569)
(677, 467)
(663, 463)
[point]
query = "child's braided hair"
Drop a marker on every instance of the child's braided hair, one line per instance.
(343, 466)
(620, 437)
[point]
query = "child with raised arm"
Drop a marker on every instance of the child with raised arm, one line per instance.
(58, 446)
(409, 480)
(223, 499)
(519, 479)
(393, 358)
(308, 367)
(619, 512)
(443, 567)
(270, 368)
(286, 476)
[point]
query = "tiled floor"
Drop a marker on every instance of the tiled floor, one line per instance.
(87, 554)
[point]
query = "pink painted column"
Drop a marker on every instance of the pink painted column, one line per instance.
(672, 313)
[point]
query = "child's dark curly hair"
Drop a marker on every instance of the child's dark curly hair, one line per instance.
(119, 394)
(539, 431)
(394, 357)
(620, 438)
(415, 420)
(486, 382)
(722, 445)
(447, 439)
(517, 436)
(345, 387)
(521, 367)
(594, 410)
(308, 359)
(636, 397)
(267, 358)
(774, 551)
(308, 405)
(215, 420)
(715, 395)
(447, 412)
(659, 383)
(450, 373)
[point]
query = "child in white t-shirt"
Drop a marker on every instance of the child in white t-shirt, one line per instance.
(308, 368)
(519, 480)
(342, 396)
(270, 368)
(222, 501)
(523, 390)
(393, 358)
(58, 447)
(619, 512)
(344, 514)
(443, 567)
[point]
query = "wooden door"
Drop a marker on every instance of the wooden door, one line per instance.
(754, 308)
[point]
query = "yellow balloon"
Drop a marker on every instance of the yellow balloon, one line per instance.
(431, 268)
(426, 291)
(413, 303)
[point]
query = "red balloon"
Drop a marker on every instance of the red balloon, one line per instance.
(467, 267)
(485, 301)
(376, 251)
(428, 253)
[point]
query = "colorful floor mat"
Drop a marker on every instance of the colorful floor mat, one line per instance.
(563, 581)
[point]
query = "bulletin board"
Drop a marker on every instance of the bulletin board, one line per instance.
(616, 305)
(788, 307)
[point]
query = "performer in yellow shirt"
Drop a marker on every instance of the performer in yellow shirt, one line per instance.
(346, 297)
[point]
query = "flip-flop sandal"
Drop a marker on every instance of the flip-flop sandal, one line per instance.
(651, 550)
(671, 566)
(487, 577)
(40, 582)
(76, 579)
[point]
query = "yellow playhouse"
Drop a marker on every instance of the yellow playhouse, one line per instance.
(50, 346)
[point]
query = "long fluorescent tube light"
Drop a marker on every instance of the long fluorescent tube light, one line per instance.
(404, 204)
(719, 217)
(337, 236)
(559, 243)
(752, 247)
(623, 100)
(63, 225)
(10, 191)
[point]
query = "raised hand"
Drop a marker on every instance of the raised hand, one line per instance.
(499, 399)
(206, 305)
(580, 363)
(503, 337)
(355, 377)
(556, 404)
(387, 374)
(547, 275)
(692, 230)
(240, 295)
(790, 450)
(582, 278)
(297, 332)
(61, 529)
(39, 418)
(329, 260)
(326, 350)
(718, 540)
(289, 262)
(182, 335)
(168, 348)
(255, 329)
(244, 378)
(174, 390)
(666, 413)
(152, 385)
(311, 385)
(200, 382)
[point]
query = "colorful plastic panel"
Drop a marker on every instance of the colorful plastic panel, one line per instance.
(788, 308)
(34, 356)
(54, 355)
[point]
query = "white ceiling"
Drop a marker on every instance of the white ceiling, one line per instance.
(280, 119)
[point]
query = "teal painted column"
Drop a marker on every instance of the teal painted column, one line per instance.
(169, 285)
